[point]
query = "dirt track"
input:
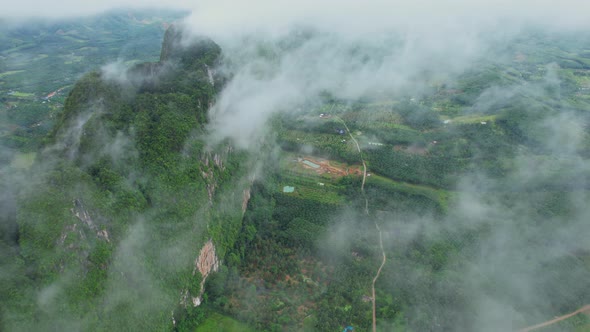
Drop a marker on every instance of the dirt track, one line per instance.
(373, 299)
(556, 320)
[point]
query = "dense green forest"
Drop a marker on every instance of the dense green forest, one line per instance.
(469, 197)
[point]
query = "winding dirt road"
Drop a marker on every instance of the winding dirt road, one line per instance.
(374, 297)
(557, 319)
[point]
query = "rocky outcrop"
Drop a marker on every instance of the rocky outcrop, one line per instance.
(82, 214)
(180, 46)
(210, 76)
(189, 58)
(206, 263)
(76, 228)
(207, 260)
(211, 162)
(245, 199)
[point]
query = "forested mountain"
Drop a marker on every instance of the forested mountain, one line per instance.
(125, 166)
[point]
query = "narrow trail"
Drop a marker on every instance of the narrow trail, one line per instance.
(358, 147)
(374, 297)
(557, 319)
(377, 276)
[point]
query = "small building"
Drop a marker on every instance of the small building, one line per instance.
(288, 189)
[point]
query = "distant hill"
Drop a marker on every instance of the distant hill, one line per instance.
(40, 60)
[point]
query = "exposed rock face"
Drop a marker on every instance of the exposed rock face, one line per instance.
(210, 75)
(206, 263)
(207, 260)
(210, 162)
(178, 46)
(245, 200)
(75, 233)
(189, 57)
(80, 212)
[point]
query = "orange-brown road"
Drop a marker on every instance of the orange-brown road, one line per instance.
(557, 319)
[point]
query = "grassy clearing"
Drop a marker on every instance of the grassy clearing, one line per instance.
(332, 145)
(22, 94)
(40, 57)
(316, 193)
(88, 49)
(19, 48)
(441, 197)
(70, 59)
(389, 125)
(384, 103)
(583, 81)
(220, 323)
(474, 118)
(76, 40)
(8, 73)
(309, 187)
(447, 108)
(23, 160)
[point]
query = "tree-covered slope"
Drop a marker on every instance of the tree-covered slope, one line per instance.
(113, 215)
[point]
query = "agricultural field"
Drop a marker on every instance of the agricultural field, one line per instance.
(216, 323)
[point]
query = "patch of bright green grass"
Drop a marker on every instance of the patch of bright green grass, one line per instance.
(219, 323)
(23, 160)
(8, 73)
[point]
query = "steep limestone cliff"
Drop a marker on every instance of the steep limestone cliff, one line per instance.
(126, 210)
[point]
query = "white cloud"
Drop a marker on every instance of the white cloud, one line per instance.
(399, 41)
(230, 16)
(226, 17)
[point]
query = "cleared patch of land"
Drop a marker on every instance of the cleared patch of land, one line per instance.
(216, 322)
(11, 72)
(310, 165)
(473, 118)
(23, 160)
